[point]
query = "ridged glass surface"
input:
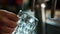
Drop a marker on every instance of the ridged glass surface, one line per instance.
(26, 24)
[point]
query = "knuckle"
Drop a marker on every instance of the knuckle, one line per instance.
(5, 33)
(6, 29)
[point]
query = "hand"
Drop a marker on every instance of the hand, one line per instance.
(7, 22)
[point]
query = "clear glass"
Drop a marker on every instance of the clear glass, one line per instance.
(26, 24)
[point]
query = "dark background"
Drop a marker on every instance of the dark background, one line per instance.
(15, 6)
(49, 4)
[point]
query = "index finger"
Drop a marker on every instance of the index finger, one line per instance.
(9, 15)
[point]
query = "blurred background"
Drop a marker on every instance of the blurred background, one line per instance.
(16, 5)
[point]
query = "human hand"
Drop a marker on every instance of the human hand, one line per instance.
(7, 22)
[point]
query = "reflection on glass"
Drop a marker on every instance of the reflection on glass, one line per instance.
(26, 24)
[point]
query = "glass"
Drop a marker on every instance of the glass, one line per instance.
(26, 24)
